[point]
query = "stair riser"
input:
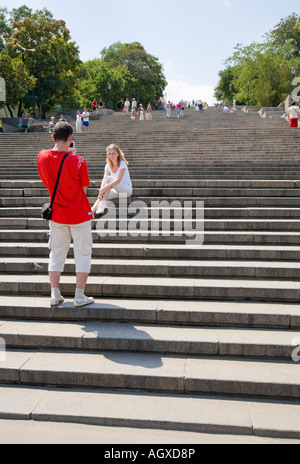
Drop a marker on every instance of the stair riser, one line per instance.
(186, 291)
(149, 383)
(163, 270)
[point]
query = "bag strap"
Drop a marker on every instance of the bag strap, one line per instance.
(57, 180)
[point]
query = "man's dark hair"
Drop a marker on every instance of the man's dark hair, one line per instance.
(62, 132)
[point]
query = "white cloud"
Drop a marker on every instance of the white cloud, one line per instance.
(228, 3)
(180, 89)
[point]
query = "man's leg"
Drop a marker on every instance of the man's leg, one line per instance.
(83, 246)
(59, 244)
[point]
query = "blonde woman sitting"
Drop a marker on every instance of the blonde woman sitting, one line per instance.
(116, 179)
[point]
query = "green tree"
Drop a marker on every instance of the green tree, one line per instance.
(226, 90)
(55, 61)
(18, 81)
(267, 66)
(94, 79)
(146, 81)
(287, 31)
(5, 28)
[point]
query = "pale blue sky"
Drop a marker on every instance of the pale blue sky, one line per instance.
(192, 38)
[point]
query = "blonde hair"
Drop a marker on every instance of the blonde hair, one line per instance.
(118, 150)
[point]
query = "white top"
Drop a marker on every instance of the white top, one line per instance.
(126, 178)
(78, 118)
(294, 112)
(86, 116)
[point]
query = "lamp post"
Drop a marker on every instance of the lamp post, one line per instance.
(109, 88)
(293, 71)
(248, 83)
(23, 59)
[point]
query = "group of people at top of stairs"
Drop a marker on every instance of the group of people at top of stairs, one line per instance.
(142, 114)
(71, 211)
(82, 121)
(137, 112)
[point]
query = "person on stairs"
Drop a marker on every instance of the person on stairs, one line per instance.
(71, 215)
(116, 179)
(294, 115)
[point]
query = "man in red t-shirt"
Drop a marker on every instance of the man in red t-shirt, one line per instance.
(71, 216)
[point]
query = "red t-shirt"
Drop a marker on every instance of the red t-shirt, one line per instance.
(71, 205)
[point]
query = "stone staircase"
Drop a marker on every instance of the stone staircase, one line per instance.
(182, 337)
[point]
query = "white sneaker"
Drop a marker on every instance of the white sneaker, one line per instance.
(56, 301)
(83, 302)
(101, 208)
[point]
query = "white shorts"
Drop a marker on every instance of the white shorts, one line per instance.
(120, 188)
(61, 236)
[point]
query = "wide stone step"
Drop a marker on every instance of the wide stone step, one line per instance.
(209, 213)
(150, 311)
(164, 268)
(154, 338)
(211, 237)
(169, 192)
(153, 372)
(34, 432)
(164, 183)
(209, 202)
(166, 251)
(155, 223)
(158, 411)
(160, 288)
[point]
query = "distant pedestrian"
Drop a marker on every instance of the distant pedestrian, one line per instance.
(25, 121)
(86, 120)
(149, 112)
(94, 105)
(127, 106)
(133, 115)
(78, 122)
(169, 109)
(62, 118)
(178, 110)
(294, 115)
(101, 105)
(182, 108)
(51, 125)
(141, 113)
(134, 104)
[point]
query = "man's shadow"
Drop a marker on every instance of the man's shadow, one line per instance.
(120, 342)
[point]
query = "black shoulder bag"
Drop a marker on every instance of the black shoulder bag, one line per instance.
(47, 208)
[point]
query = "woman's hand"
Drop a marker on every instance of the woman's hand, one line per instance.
(101, 193)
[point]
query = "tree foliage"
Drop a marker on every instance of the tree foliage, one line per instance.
(55, 61)
(266, 66)
(94, 79)
(18, 81)
(43, 68)
(145, 79)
